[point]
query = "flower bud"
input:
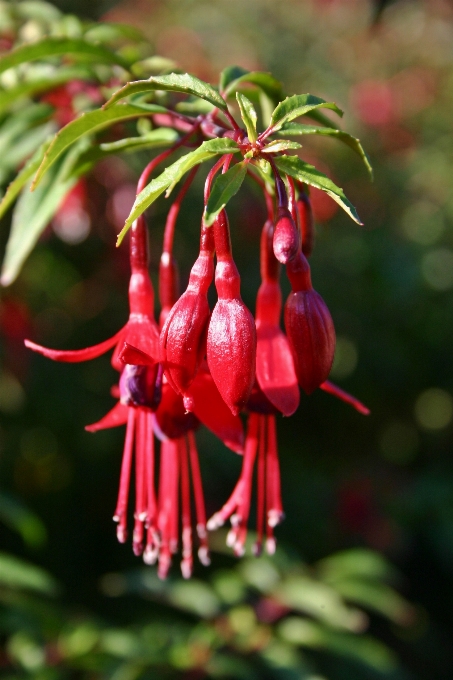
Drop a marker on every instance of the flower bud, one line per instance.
(309, 328)
(183, 336)
(231, 343)
(286, 236)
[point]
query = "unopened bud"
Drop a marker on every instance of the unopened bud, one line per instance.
(286, 236)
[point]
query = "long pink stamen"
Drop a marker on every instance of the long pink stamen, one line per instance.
(261, 486)
(275, 512)
(243, 511)
(120, 515)
(187, 561)
(140, 483)
(200, 511)
(150, 553)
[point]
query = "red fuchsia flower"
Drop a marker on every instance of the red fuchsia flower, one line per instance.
(183, 337)
(231, 343)
(275, 372)
(309, 327)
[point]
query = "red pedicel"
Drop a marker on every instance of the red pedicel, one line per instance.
(231, 343)
(309, 327)
(307, 227)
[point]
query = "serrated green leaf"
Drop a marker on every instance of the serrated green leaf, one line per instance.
(171, 175)
(319, 117)
(29, 89)
(298, 105)
(31, 215)
(174, 82)
(248, 115)
(224, 188)
(49, 47)
(292, 165)
(280, 145)
(86, 124)
(21, 178)
(154, 139)
(349, 140)
(265, 81)
(15, 573)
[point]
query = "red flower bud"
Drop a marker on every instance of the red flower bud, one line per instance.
(309, 328)
(182, 338)
(286, 236)
(231, 344)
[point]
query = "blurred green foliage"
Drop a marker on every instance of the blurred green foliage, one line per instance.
(383, 482)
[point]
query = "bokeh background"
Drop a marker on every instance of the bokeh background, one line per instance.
(383, 482)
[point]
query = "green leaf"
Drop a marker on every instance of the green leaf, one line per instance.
(15, 126)
(298, 105)
(21, 178)
(193, 107)
(230, 74)
(172, 175)
(365, 649)
(31, 215)
(15, 573)
(378, 597)
(85, 124)
(248, 115)
(50, 47)
(280, 145)
(174, 82)
(356, 562)
(293, 166)
(30, 88)
(235, 77)
(106, 32)
(349, 140)
(224, 188)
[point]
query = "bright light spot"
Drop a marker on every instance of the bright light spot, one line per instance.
(423, 223)
(399, 442)
(434, 409)
(72, 226)
(346, 358)
(437, 268)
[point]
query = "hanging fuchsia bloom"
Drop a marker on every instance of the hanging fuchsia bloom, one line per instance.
(183, 337)
(309, 327)
(140, 331)
(275, 372)
(231, 344)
